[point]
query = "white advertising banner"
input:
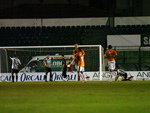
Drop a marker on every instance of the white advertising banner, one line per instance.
(57, 76)
(137, 75)
(23, 77)
(93, 76)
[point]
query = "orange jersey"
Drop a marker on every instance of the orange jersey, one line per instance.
(110, 55)
(81, 60)
(75, 53)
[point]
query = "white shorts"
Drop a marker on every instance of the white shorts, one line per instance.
(111, 65)
(80, 68)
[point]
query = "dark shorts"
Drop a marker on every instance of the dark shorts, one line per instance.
(125, 75)
(15, 71)
(47, 69)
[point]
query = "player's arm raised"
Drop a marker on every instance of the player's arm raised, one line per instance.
(83, 53)
(10, 58)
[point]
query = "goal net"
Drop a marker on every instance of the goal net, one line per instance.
(32, 56)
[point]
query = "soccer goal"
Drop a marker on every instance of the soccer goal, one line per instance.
(31, 58)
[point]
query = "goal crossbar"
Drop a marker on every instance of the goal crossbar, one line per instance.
(49, 46)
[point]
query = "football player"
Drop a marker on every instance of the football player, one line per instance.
(81, 63)
(75, 59)
(15, 63)
(64, 68)
(47, 64)
(111, 55)
(123, 74)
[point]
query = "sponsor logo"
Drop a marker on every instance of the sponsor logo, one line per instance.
(58, 77)
(5, 78)
(106, 75)
(57, 63)
(96, 76)
(37, 77)
(146, 40)
(25, 77)
(143, 74)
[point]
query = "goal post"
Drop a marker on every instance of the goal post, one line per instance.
(102, 61)
(29, 55)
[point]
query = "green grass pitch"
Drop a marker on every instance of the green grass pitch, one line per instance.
(75, 97)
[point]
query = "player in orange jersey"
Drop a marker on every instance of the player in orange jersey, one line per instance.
(111, 56)
(75, 59)
(75, 54)
(81, 63)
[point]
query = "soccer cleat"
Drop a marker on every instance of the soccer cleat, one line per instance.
(51, 80)
(68, 78)
(130, 77)
(64, 79)
(45, 77)
(87, 77)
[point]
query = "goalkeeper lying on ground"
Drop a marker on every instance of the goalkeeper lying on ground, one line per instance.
(122, 73)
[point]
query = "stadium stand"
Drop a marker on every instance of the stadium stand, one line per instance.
(130, 29)
(69, 35)
(36, 36)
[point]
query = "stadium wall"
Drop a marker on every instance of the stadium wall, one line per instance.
(53, 22)
(132, 20)
(74, 21)
(19, 22)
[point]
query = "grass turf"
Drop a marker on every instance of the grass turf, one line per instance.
(75, 97)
